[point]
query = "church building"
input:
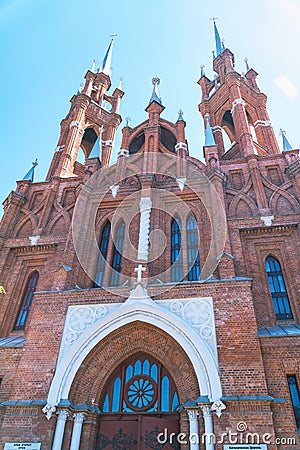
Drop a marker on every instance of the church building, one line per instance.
(153, 303)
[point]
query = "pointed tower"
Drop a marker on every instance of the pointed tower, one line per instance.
(91, 108)
(236, 107)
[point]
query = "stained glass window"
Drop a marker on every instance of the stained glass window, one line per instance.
(103, 247)
(140, 385)
(26, 301)
(117, 254)
(176, 253)
(192, 249)
(278, 290)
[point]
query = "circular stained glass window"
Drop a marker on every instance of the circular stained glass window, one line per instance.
(140, 393)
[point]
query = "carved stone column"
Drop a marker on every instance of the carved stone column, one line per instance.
(208, 428)
(194, 437)
(62, 416)
(145, 210)
(77, 428)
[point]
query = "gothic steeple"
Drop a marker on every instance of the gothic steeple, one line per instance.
(106, 63)
(236, 107)
(91, 109)
(219, 43)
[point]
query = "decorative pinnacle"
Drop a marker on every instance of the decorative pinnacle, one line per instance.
(202, 70)
(80, 88)
(156, 80)
(286, 144)
(30, 174)
(155, 93)
(128, 120)
(282, 132)
(247, 65)
(180, 115)
(93, 66)
(120, 83)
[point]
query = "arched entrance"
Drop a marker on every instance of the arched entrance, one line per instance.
(138, 403)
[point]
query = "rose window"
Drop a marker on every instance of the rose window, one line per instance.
(140, 392)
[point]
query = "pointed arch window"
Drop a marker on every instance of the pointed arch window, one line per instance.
(176, 253)
(192, 249)
(277, 288)
(142, 384)
(26, 301)
(117, 254)
(103, 247)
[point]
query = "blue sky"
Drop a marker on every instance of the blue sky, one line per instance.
(48, 45)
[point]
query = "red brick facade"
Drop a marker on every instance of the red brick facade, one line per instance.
(248, 210)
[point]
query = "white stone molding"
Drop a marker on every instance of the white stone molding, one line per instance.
(194, 438)
(62, 416)
(181, 182)
(123, 152)
(218, 406)
(263, 123)
(145, 211)
(114, 190)
(181, 145)
(237, 101)
(267, 220)
(216, 128)
(76, 124)
(208, 428)
(34, 240)
(108, 142)
(76, 432)
(86, 326)
(199, 314)
(49, 410)
(58, 148)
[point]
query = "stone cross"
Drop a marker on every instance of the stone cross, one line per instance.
(139, 270)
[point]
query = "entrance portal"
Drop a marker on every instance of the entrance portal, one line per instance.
(139, 403)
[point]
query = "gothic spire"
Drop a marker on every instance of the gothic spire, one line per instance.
(209, 137)
(219, 43)
(155, 93)
(106, 64)
(285, 142)
(30, 174)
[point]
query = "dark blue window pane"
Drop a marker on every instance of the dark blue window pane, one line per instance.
(278, 290)
(176, 254)
(117, 254)
(175, 401)
(165, 394)
(192, 249)
(116, 395)
(103, 247)
(106, 404)
(294, 391)
(26, 301)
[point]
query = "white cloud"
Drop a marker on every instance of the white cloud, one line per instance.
(286, 86)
